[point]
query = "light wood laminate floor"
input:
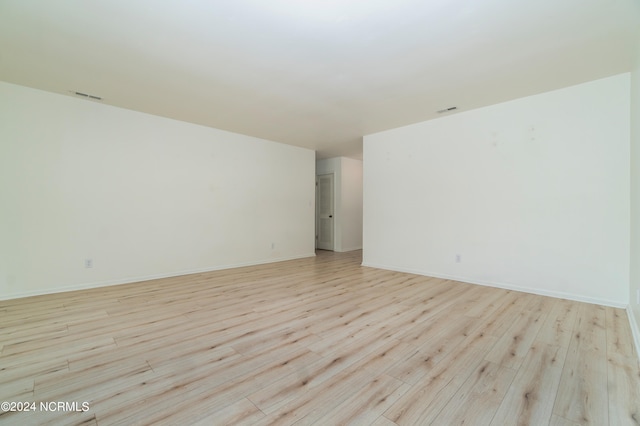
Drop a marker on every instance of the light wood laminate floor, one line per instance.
(316, 341)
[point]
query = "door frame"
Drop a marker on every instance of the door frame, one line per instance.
(332, 244)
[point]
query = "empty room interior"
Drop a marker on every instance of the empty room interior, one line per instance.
(320, 212)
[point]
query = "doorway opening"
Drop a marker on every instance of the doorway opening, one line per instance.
(325, 220)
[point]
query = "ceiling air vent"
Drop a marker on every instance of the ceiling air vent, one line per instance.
(85, 95)
(446, 110)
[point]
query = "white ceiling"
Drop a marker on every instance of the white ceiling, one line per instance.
(313, 73)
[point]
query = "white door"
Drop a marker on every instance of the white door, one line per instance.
(324, 215)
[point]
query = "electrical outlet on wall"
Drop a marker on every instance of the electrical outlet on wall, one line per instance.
(88, 263)
(458, 258)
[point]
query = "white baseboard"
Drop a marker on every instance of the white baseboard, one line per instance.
(635, 331)
(129, 280)
(349, 249)
(506, 286)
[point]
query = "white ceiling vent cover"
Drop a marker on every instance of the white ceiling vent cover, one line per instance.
(87, 96)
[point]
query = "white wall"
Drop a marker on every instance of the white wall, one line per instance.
(634, 288)
(351, 204)
(533, 194)
(143, 196)
(347, 181)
